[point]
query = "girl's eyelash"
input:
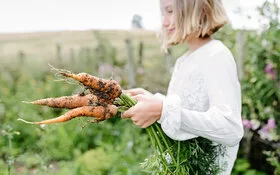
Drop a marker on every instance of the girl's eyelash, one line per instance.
(169, 10)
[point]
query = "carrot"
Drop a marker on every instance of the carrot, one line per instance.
(110, 87)
(102, 97)
(69, 102)
(100, 113)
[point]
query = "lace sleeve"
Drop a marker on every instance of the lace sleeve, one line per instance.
(171, 121)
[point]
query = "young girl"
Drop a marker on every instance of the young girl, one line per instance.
(204, 96)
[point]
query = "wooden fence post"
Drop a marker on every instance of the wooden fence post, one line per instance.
(58, 53)
(87, 55)
(130, 64)
(21, 56)
(72, 56)
(239, 46)
(140, 61)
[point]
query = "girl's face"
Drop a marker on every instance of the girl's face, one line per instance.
(167, 15)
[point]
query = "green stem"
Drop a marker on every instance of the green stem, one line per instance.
(123, 99)
(165, 142)
(152, 140)
(127, 100)
(10, 159)
(178, 154)
(155, 137)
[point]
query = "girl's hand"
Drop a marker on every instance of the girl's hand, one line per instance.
(137, 91)
(145, 112)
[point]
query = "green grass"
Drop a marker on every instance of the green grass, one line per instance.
(56, 148)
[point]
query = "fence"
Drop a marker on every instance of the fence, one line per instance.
(104, 52)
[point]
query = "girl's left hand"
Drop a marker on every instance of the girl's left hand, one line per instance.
(145, 112)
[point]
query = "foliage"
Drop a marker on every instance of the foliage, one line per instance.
(243, 167)
(261, 95)
(96, 160)
(273, 159)
(40, 149)
(261, 89)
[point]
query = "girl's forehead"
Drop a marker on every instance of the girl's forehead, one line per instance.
(167, 2)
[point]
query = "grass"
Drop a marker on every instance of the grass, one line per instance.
(32, 79)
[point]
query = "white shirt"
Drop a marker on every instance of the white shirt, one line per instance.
(204, 99)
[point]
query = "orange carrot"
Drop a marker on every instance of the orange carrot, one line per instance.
(98, 112)
(69, 102)
(110, 87)
(102, 97)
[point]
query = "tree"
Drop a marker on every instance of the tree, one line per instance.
(136, 22)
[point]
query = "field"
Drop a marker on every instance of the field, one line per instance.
(76, 147)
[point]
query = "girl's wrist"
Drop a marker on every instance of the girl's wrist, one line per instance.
(159, 109)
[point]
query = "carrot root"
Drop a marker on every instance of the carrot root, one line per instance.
(27, 102)
(110, 87)
(99, 113)
(26, 121)
(69, 102)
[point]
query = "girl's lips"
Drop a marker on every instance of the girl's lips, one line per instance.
(171, 30)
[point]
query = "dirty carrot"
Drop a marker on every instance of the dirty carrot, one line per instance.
(98, 112)
(69, 102)
(110, 87)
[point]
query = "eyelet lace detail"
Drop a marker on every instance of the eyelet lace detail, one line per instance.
(190, 86)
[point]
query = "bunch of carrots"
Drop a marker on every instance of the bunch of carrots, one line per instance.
(103, 101)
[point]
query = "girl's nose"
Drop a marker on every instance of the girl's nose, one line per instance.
(165, 22)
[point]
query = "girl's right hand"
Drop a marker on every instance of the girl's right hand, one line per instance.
(137, 91)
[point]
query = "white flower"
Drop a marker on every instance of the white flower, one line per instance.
(168, 159)
(255, 124)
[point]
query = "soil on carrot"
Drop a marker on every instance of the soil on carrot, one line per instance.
(98, 103)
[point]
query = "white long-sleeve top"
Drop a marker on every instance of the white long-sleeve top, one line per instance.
(204, 99)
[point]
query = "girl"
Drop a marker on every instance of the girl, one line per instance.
(204, 96)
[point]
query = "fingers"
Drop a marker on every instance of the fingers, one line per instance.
(134, 109)
(127, 92)
(134, 91)
(128, 114)
(138, 97)
(141, 124)
(135, 119)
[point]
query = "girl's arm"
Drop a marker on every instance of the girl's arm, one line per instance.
(222, 121)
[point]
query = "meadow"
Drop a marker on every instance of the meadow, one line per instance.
(76, 147)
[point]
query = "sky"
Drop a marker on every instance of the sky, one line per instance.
(53, 15)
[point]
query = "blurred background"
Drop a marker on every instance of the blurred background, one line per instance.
(118, 39)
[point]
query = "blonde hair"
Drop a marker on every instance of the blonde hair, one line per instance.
(194, 18)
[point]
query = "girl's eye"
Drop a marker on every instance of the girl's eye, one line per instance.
(169, 10)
